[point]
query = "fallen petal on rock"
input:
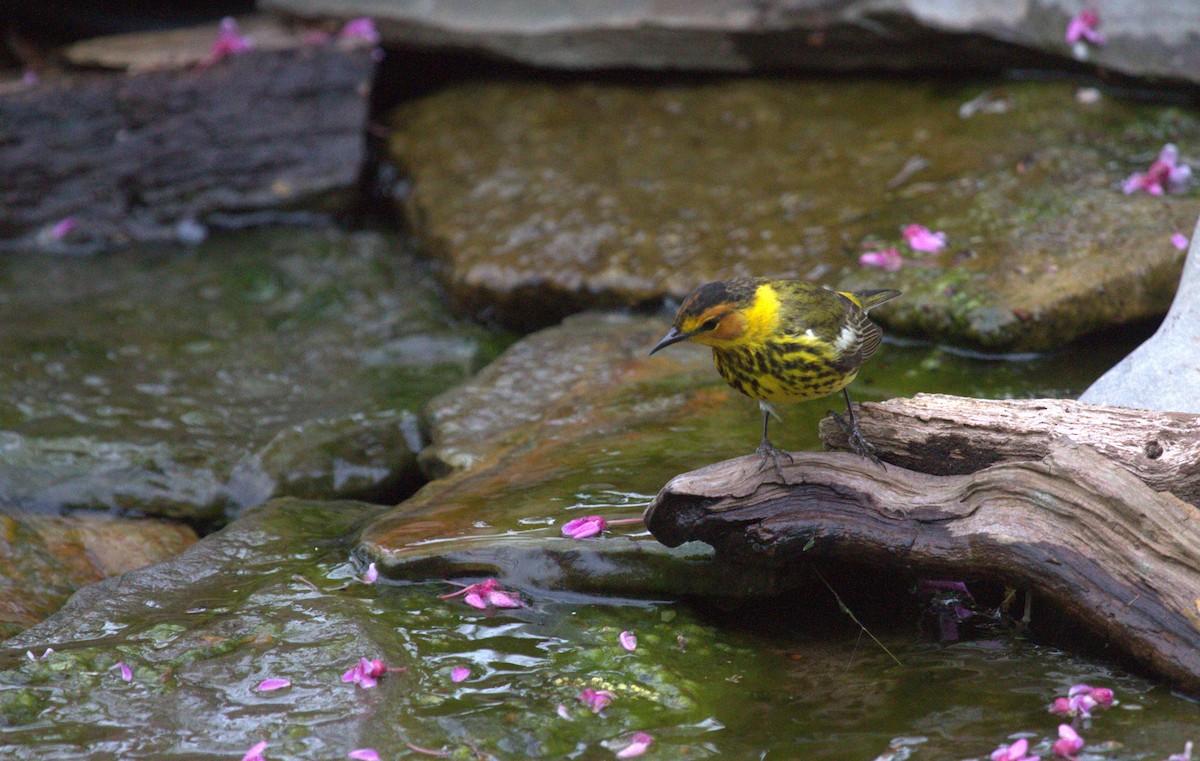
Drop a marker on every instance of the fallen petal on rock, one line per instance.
(628, 640)
(256, 752)
(126, 672)
(274, 683)
(638, 744)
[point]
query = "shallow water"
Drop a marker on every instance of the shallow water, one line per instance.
(785, 676)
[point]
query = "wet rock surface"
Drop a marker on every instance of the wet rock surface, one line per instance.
(192, 383)
(525, 446)
(548, 198)
(573, 420)
(738, 35)
(44, 559)
(226, 614)
(577, 420)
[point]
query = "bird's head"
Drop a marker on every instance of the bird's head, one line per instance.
(717, 314)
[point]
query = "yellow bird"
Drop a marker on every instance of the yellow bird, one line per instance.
(783, 341)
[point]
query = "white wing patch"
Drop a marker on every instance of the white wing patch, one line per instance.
(847, 338)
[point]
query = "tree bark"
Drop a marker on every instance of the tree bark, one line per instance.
(131, 155)
(946, 435)
(1111, 552)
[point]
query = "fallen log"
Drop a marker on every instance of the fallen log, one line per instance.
(1108, 551)
(945, 435)
(166, 140)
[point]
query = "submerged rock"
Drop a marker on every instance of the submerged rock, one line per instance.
(198, 633)
(44, 559)
(195, 383)
(549, 198)
(745, 35)
(1164, 372)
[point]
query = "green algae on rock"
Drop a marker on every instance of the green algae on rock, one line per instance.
(44, 559)
(547, 198)
(192, 383)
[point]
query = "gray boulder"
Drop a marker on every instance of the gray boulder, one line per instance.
(1164, 372)
(1142, 39)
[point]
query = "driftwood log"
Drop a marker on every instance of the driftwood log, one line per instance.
(130, 153)
(945, 435)
(1092, 533)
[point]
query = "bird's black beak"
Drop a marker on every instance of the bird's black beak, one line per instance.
(673, 336)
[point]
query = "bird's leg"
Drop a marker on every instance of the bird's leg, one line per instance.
(768, 452)
(858, 443)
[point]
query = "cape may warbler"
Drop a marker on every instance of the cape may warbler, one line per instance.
(783, 341)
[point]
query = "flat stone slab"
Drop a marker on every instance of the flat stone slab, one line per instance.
(192, 383)
(159, 143)
(1145, 40)
(536, 427)
(549, 198)
(44, 559)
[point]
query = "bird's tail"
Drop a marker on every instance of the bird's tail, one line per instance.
(868, 299)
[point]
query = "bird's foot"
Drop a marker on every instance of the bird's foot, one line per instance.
(857, 442)
(770, 454)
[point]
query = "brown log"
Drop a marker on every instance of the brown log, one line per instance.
(1105, 549)
(944, 435)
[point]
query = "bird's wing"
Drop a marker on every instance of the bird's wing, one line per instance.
(868, 332)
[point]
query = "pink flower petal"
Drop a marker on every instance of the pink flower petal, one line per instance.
(364, 754)
(888, 259)
(1165, 174)
(502, 599)
(1014, 752)
(459, 673)
(274, 683)
(255, 752)
(1180, 241)
(597, 700)
(582, 528)
(361, 29)
(64, 227)
(1084, 26)
(628, 641)
(475, 601)
(921, 238)
(229, 42)
(372, 574)
(639, 744)
(1068, 743)
(126, 672)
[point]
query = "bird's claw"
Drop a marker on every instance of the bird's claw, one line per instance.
(770, 454)
(857, 442)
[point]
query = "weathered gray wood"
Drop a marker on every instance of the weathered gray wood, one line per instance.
(1103, 547)
(940, 434)
(130, 155)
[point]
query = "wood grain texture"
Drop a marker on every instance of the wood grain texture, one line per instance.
(1112, 553)
(936, 433)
